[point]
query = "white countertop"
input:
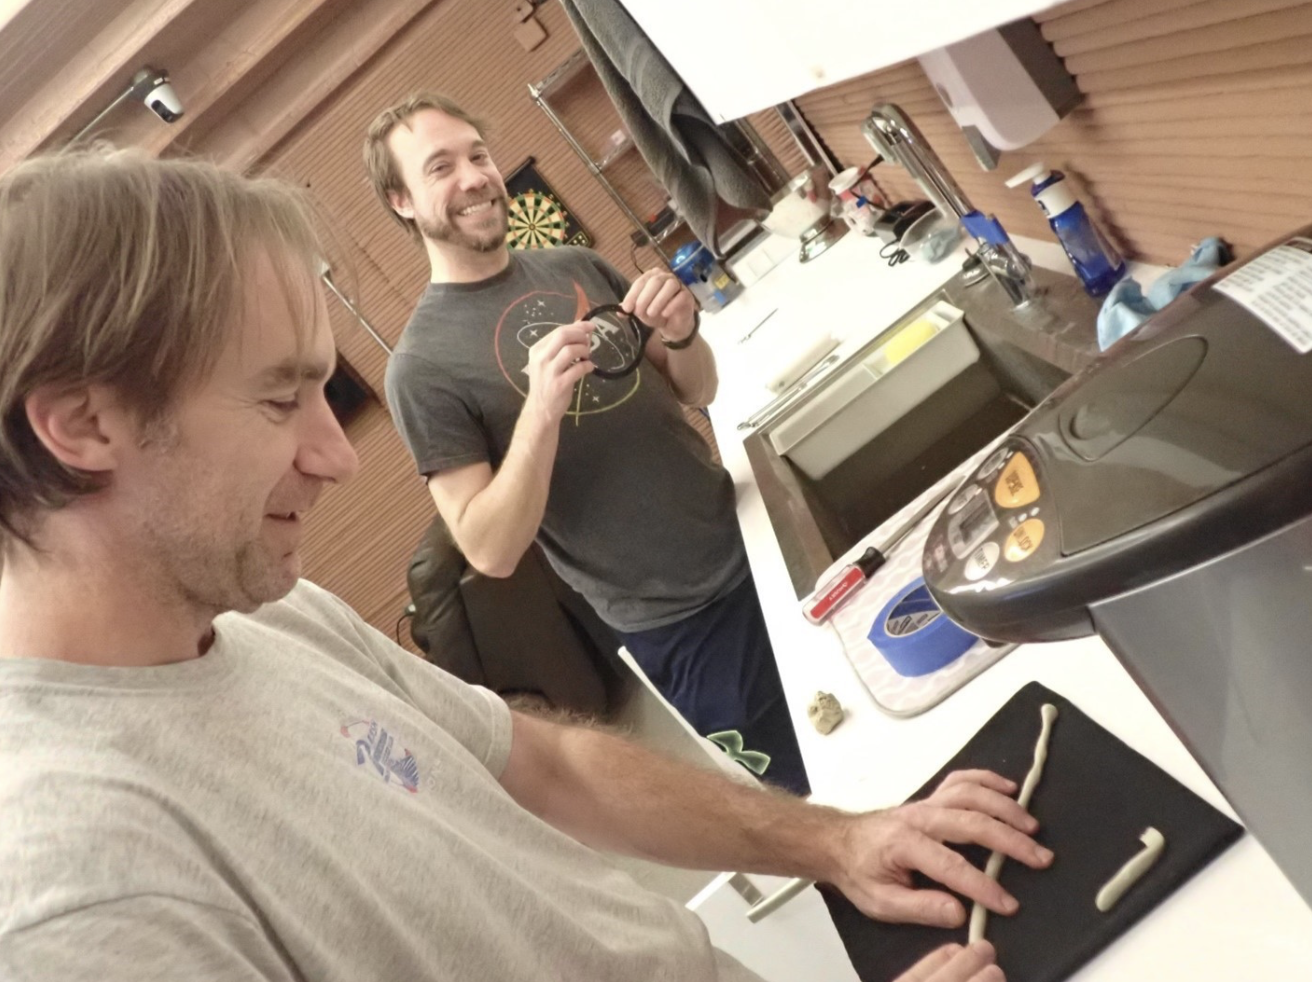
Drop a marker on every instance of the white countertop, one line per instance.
(1237, 919)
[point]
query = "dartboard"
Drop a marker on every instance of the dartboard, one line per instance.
(537, 220)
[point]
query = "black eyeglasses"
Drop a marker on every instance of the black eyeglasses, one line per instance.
(618, 341)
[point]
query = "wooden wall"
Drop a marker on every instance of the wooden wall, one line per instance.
(1197, 120)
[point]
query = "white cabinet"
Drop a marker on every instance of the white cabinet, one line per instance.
(796, 942)
(741, 56)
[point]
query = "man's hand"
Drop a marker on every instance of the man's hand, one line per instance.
(555, 365)
(885, 848)
(660, 301)
(953, 963)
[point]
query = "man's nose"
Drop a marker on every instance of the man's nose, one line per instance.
(325, 452)
(472, 177)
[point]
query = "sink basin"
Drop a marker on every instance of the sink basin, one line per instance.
(1023, 355)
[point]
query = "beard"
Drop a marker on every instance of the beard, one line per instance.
(205, 542)
(217, 562)
(443, 228)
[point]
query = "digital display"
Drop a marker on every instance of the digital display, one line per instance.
(973, 523)
(974, 520)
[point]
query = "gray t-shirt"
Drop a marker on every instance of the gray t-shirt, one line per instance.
(304, 802)
(639, 518)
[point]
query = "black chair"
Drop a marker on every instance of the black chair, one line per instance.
(529, 636)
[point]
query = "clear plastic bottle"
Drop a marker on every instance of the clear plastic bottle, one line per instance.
(1096, 262)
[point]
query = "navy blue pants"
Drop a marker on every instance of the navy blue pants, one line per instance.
(717, 668)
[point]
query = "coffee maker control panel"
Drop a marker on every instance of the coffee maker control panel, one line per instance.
(993, 526)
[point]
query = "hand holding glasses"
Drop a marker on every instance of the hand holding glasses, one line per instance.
(619, 340)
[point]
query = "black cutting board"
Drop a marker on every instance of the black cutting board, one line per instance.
(1095, 799)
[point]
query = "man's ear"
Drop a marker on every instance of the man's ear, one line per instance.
(82, 427)
(401, 204)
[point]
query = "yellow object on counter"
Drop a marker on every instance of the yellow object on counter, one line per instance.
(909, 339)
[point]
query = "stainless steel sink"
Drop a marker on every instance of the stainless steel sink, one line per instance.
(1024, 354)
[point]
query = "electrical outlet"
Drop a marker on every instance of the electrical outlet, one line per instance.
(523, 10)
(530, 34)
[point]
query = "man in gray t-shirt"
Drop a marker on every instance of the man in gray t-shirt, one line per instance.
(639, 518)
(210, 770)
(491, 387)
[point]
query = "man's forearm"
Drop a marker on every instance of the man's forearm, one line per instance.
(613, 795)
(601, 790)
(501, 521)
(692, 373)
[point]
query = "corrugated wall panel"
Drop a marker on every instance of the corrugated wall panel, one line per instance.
(775, 133)
(1197, 120)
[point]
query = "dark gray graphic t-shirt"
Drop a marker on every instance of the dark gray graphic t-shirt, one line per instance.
(639, 518)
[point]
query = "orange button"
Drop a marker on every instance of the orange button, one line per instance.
(1016, 485)
(1024, 539)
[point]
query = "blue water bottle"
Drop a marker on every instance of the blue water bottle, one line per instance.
(698, 270)
(1096, 261)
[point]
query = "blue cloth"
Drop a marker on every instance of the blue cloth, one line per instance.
(717, 669)
(1126, 307)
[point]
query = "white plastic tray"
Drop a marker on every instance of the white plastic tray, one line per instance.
(877, 390)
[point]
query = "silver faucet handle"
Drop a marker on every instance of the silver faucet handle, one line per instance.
(1012, 270)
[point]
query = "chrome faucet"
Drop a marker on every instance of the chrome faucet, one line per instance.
(898, 139)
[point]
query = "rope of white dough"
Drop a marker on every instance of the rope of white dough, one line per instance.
(1137, 865)
(979, 914)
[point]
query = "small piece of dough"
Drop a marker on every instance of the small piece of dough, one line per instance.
(979, 914)
(824, 712)
(1139, 864)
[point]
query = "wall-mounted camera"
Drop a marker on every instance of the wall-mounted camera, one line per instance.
(152, 87)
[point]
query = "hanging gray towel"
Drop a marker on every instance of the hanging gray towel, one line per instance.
(675, 135)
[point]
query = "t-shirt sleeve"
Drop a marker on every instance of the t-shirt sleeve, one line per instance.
(476, 717)
(142, 938)
(437, 425)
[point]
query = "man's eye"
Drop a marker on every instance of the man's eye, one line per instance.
(283, 405)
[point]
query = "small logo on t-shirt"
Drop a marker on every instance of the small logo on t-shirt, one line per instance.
(529, 319)
(731, 742)
(375, 749)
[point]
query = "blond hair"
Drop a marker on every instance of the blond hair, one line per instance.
(384, 173)
(122, 270)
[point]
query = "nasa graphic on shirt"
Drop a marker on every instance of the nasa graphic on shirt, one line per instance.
(529, 319)
(376, 749)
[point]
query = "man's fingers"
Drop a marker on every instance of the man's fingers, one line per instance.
(894, 903)
(986, 778)
(974, 963)
(568, 356)
(642, 304)
(576, 371)
(657, 306)
(967, 826)
(977, 962)
(579, 332)
(630, 301)
(953, 963)
(565, 345)
(991, 802)
(635, 289)
(951, 869)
